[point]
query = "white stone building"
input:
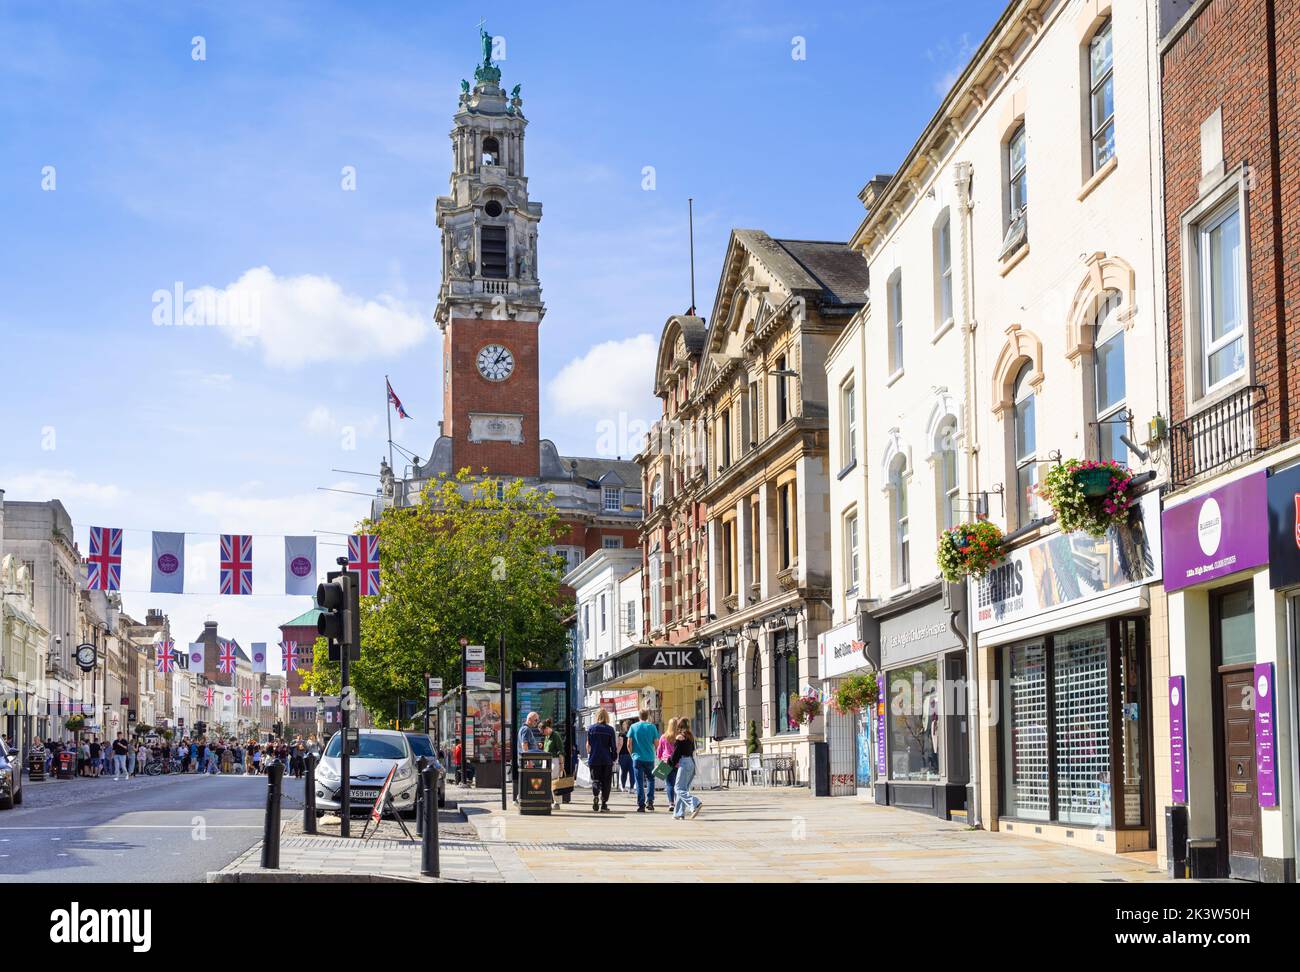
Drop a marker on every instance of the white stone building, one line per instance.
(608, 612)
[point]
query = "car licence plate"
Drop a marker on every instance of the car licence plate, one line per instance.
(364, 794)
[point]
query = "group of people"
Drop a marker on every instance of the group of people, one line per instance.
(536, 736)
(644, 754)
(124, 757)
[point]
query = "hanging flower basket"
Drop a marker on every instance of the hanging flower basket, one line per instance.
(804, 709)
(1088, 496)
(857, 692)
(969, 550)
(74, 722)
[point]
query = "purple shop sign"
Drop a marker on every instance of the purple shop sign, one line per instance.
(1178, 738)
(1265, 753)
(882, 771)
(1217, 534)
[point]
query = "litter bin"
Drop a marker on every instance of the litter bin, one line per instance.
(67, 766)
(535, 784)
(36, 765)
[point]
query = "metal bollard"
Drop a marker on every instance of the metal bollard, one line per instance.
(309, 797)
(420, 764)
(271, 829)
(429, 846)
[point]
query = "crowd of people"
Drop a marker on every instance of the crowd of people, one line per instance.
(642, 754)
(123, 758)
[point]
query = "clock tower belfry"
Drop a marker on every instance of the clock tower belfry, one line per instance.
(490, 302)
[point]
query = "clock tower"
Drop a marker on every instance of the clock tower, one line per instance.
(490, 303)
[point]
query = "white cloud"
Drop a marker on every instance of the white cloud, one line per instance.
(953, 57)
(612, 378)
(321, 421)
(61, 485)
(299, 320)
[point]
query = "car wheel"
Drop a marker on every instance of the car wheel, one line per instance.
(6, 803)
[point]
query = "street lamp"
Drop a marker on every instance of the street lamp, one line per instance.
(729, 638)
(791, 618)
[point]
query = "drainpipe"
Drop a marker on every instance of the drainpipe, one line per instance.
(962, 177)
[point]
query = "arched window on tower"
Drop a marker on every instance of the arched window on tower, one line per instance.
(491, 151)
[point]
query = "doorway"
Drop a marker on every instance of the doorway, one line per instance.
(1232, 615)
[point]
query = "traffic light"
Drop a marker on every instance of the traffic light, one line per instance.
(340, 619)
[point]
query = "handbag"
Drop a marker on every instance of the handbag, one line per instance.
(662, 770)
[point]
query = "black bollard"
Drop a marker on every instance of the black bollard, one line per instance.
(309, 797)
(271, 829)
(419, 796)
(429, 847)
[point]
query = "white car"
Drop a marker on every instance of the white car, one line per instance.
(379, 750)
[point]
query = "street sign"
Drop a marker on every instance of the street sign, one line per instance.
(475, 669)
(435, 691)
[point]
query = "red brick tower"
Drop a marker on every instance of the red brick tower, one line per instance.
(490, 306)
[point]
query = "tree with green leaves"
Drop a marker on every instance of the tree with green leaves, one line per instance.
(465, 561)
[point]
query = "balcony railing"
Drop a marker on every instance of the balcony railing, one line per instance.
(1222, 435)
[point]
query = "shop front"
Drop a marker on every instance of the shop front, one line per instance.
(1063, 627)
(924, 762)
(1231, 678)
(850, 737)
(669, 681)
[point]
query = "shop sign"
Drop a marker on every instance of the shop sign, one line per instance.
(1265, 751)
(1217, 534)
(1070, 568)
(839, 651)
(1178, 738)
(1284, 528)
(671, 659)
(881, 769)
(915, 634)
(621, 706)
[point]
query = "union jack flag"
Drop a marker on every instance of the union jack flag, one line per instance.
(226, 657)
(236, 563)
(104, 565)
(363, 559)
(284, 696)
(208, 695)
(166, 659)
(395, 401)
(289, 649)
(246, 697)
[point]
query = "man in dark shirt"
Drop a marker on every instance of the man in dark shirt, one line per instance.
(119, 757)
(602, 751)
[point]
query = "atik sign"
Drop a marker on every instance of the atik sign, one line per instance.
(1217, 534)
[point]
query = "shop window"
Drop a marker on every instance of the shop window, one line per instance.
(1024, 739)
(1082, 711)
(785, 679)
(915, 722)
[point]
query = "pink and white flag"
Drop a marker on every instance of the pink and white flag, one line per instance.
(258, 651)
(196, 656)
(168, 573)
(300, 565)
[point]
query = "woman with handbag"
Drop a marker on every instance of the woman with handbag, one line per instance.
(683, 758)
(664, 753)
(551, 745)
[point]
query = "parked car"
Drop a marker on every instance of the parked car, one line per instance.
(422, 745)
(11, 777)
(378, 751)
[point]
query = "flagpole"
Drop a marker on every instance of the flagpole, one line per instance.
(388, 404)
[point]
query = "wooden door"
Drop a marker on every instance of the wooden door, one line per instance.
(1241, 798)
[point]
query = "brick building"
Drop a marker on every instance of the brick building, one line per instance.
(1231, 122)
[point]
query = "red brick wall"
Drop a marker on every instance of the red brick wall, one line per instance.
(465, 391)
(1225, 59)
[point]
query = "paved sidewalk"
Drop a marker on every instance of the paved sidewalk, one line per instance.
(774, 834)
(387, 856)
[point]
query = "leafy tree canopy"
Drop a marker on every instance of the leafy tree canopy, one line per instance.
(463, 562)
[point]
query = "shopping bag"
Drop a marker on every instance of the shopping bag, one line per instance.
(662, 770)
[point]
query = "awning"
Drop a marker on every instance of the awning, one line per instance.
(645, 661)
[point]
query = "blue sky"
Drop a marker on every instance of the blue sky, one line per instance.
(173, 171)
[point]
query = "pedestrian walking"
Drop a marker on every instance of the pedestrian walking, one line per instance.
(141, 757)
(602, 751)
(119, 757)
(624, 759)
(664, 753)
(643, 737)
(94, 756)
(683, 758)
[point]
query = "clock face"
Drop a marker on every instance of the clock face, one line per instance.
(86, 656)
(495, 362)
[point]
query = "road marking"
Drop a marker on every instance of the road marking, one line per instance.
(93, 826)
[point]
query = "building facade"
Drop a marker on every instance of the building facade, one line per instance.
(762, 398)
(1232, 231)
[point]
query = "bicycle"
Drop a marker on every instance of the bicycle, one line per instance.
(159, 767)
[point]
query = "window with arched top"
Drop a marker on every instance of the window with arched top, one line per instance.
(947, 488)
(491, 151)
(1024, 440)
(1110, 391)
(902, 538)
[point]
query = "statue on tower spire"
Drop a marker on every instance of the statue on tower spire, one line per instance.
(487, 71)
